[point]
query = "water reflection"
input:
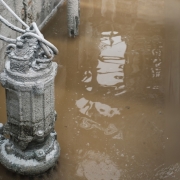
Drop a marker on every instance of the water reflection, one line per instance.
(123, 62)
(90, 108)
(123, 96)
(164, 172)
(111, 61)
(89, 124)
(93, 110)
(95, 166)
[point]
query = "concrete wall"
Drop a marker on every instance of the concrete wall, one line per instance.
(38, 11)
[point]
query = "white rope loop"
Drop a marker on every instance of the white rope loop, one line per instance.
(48, 54)
(8, 24)
(54, 49)
(8, 40)
(31, 31)
(13, 13)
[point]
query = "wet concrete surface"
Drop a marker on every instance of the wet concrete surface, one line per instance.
(117, 92)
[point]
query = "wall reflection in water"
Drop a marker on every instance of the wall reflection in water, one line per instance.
(125, 61)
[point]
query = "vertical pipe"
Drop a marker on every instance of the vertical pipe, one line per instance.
(73, 17)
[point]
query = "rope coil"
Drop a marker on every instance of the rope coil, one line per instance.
(31, 31)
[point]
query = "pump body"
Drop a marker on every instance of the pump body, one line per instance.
(28, 141)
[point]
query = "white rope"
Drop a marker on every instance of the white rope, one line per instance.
(48, 54)
(54, 49)
(31, 31)
(12, 12)
(8, 40)
(8, 24)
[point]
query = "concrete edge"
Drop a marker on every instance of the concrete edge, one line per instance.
(53, 12)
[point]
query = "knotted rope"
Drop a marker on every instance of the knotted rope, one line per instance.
(30, 31)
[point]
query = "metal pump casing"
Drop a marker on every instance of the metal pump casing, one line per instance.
(29, 97)
(28, 141)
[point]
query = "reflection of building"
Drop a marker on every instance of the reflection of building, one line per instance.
(127, 61)
(144, 65)
(88, 108)
(92, 110)
(111, 61)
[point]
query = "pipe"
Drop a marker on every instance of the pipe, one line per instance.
(8, 40)
(8, 24)
(44, 47)
(12, 12)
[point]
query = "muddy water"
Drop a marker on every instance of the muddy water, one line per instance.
(117, 92)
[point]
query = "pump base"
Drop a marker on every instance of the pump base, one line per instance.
(39, 164)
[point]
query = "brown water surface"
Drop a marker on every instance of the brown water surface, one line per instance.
(117, 92)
